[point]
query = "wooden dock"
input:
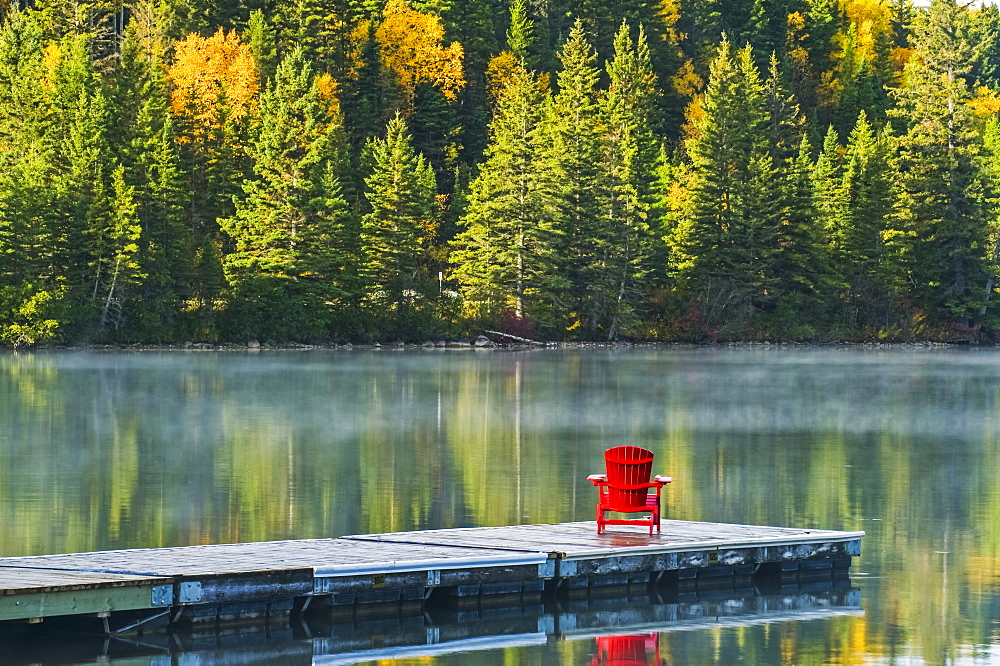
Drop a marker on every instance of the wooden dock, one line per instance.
(131, 589)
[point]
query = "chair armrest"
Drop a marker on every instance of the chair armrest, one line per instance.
(598, 478)
(662, 479)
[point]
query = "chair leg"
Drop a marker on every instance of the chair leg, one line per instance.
(600, 519)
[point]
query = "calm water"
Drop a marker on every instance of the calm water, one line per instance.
(101, 451)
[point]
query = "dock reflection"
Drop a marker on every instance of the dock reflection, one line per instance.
(623, 625)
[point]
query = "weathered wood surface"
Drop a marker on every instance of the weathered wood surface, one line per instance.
(239, 558)
(579, 540)
(14, 579)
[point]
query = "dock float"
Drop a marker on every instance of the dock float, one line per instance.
(133, 589)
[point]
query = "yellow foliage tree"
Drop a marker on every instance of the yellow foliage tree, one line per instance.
(411, 45)
(500, 73)
(214, 80)
(669, 12)
(872, 19)
(985, 103)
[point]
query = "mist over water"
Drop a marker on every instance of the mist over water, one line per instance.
(131, 450)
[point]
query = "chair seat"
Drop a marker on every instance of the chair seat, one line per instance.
(651, 501)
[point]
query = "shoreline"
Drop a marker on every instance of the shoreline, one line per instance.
(492, 345)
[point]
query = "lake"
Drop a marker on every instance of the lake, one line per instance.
(126, 450)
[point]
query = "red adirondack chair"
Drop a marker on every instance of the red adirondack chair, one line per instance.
(624, 489)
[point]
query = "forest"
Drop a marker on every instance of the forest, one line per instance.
(348, 170)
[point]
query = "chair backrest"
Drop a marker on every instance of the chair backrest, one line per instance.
(628, 466)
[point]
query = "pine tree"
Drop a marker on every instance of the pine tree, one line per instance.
(723, 246)
(506, 258)
(572, 136)
(866, 198)
(629, 156)
(944, 210)
(288, 233)
(400, 192)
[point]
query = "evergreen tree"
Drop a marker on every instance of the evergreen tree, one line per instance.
(572, 136)
(941, 198)
(400, 192)
(521, 32)
(629, 155)
(506, 258)
(122, 270)
(801, 267)
(289, 231)
(866, 203)
(144, 144)
(991, 172)
(826, 179)
(263, 44)
(799, 272)
(81, 191)
(723, 246)
(32, 280)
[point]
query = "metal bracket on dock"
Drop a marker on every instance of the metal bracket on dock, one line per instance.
(567, 568)
(162, 595)
(433, 577)
(853, 547)
(190, 592)
(547, 569)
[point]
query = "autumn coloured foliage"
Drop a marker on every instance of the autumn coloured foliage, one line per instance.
(781, 170)
(411, 46)
(213, 79)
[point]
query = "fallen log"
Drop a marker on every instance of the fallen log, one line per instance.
(516, 337)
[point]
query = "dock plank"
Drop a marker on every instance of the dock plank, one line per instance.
(249, 557)
(15, 580)
(574, 540)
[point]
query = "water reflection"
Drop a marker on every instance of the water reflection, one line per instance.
(103, 451)
(627, 650)
(613, 631)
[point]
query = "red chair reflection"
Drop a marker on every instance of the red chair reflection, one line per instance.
(624, 488)
(631, 650)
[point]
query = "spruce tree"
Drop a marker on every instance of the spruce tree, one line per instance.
(144, 144)
(32, 282)
(723, 245)
(79, 139)
(263, 44)
(629, 153)
(506, 259)
(521, 32)
(572, 136)
(941, 197)
(867, 198)
(826, 179)
(400, 192)
(288, 233)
